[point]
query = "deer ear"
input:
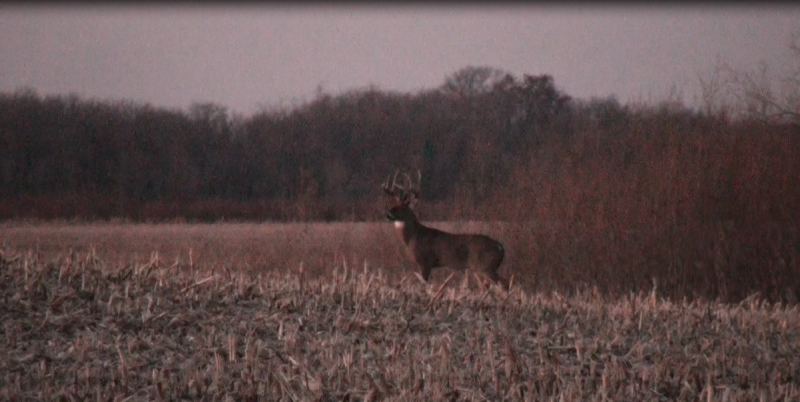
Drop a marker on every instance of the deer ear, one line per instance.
(412, 202)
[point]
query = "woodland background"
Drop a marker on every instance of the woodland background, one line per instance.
(708, 195)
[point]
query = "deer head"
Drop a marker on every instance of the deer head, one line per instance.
(408, 194)
(405, 195)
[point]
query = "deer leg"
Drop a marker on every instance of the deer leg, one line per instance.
(494, 276)
(426, 273)
(492, 271)
(483, 280)
(503, 282)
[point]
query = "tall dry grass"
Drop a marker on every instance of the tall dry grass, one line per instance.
(76, 327)
(641, 228)
(250, 247)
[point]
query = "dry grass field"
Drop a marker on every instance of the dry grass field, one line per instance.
(247, 247)
(225, 312)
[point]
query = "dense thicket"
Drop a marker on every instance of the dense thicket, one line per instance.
(698, 201)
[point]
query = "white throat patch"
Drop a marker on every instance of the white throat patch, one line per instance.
(399, 224)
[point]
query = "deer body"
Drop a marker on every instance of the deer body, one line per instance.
(432, 248)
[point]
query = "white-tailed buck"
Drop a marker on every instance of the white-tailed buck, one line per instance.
(432, 248)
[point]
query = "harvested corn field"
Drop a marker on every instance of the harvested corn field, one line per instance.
(78, 328)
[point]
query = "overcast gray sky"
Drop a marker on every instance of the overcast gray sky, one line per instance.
(245, 56)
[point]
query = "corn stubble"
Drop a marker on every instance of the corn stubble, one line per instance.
(78, 328)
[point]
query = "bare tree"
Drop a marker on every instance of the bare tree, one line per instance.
(471, 81)
(753, 93)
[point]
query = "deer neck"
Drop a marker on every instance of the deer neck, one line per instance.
(407, 229)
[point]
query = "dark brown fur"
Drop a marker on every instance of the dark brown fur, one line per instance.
(432, 248)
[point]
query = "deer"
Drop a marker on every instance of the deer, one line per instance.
(433, 248)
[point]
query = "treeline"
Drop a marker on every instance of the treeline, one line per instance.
(618, 196)
(64, 157)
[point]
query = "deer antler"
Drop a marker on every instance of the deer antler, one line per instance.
(418, 187)
(412, 190)
(409, 192)
(392, 189)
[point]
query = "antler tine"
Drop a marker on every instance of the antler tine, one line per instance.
(414, 187)
(391, 190)
(407, 181)
(386, 184)
(412, 190)
(394, 180)
(407, 189)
